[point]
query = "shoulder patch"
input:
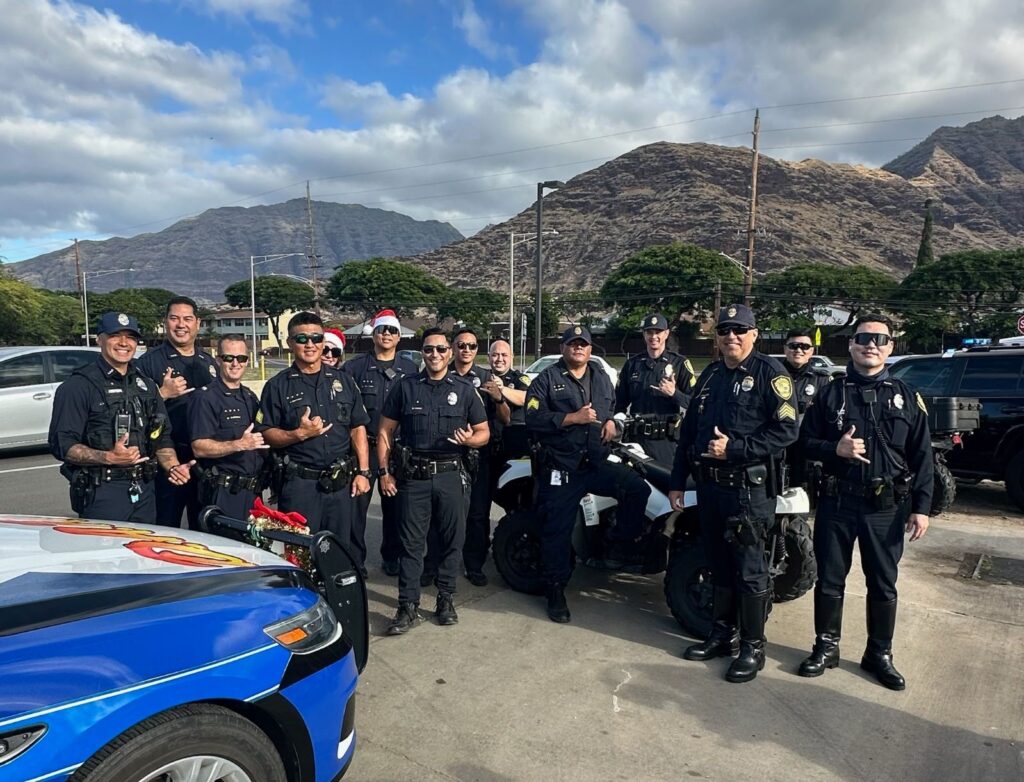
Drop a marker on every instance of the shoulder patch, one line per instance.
(525, 380)
(533, 404)
(786, 412)
(782, 386)
(259, 416)
(920, 402)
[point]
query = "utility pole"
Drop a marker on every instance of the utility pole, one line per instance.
(718, 306)
(78, 270)
(748, 280)
(314, 259)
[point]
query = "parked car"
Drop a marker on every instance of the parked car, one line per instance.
(821, 364)
(544, 362)
(414, 356)
(995, 376)
(133, 652)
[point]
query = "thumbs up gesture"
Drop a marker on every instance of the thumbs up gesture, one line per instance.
(850, 447)
(717, 445)
(250, 440)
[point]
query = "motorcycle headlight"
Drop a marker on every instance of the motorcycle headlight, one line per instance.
(307, 631)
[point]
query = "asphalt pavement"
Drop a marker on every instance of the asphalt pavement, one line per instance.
(508, 695)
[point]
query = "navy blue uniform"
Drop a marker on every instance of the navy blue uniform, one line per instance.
(510, 441)
(94, 407)
(375, 379)
(198, 370)
(428, 413)
(634, 394)
(754, 406)
(333, 396)
(230, 482)
(807, 385)
(573, 462)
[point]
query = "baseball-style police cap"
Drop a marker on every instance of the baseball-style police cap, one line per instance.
(736, 315)
(113, 322)
(654, 321)
(576, 332)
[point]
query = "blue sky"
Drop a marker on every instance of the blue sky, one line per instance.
(120, 117)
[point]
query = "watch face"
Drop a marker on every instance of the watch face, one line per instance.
(382, 471)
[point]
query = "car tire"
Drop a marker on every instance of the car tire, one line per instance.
(1015, 479)
(192, 731)
(801, 566)
(688, 589)
(943, 489)
(516, 551)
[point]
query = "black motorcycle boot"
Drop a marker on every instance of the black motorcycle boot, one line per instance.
(406, 618)
(753, 610)
(723, 640)
(444, 609)
(877, 657)
(828, 627)
(558, 609)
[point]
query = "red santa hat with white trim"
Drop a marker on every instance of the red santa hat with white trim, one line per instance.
(335, 338)
(387, 318)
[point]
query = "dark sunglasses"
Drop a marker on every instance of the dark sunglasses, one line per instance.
(302, 338)
(867, 337)
(387, 330)
(739, 331)
(799, 346)
(442, 349)
(332, 352)
(466, 345)
(242, 359)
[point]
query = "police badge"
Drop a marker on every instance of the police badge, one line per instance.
(213, 370)
(122, 319)
(476, 382)
(669, 371)
(453, 398)
(897, 401)
(748, 383)
(140, 383)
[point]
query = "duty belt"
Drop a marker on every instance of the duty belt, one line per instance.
(831, 486)
(730, 477)
(236, 482)
(423, 466)
(309, 473)
(144, 472)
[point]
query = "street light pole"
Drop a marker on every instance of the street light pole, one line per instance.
(551, 184)
(85, 294)
(512, 243)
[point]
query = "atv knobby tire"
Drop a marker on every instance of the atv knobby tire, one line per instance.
(688, 588)
(516, 551)
(801, 566)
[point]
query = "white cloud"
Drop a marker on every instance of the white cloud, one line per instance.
(478, 33)
(286, 14)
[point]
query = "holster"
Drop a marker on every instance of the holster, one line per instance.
(337, 476)
(401, 461)
(742, 530)
(471, 462)
(83, 488)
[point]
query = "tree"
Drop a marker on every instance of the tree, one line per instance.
(924, 250)
(475, 307)
(274, 296)
(673, 278)
(22, 310)
(580, 307)
(379, 283)
(548, 316)
(129, 301)
(159, 296)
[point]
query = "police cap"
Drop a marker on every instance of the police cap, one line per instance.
(113, 322)
(736, 315)
(576, 332)
(654, 321)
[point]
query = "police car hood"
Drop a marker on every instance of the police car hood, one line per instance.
(50, 556)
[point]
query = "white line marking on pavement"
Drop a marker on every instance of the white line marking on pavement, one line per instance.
(23, 469)
(615, 697)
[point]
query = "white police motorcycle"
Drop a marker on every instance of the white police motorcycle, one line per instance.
(670, 542)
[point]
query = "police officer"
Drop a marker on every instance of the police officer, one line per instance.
(313, 416)
(178, 367)
(870, 431)
(508, 441)
(569, 408)
(334, 347)
(110, 429)
(376, 373)
(741, 417)
(655, 384)
(440, 416)
(222, 417)
(807, 384)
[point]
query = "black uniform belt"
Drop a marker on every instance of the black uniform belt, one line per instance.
(831, 486)
(426, 465)
(731, 477)
(144, 472)
(309, 473)
(235, 482)
(651, 426)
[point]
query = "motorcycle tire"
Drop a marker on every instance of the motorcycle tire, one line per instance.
(688, 590)
(801, 565)
(516, 552)
(943, 489)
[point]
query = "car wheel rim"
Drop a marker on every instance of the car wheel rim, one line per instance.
(199, 768)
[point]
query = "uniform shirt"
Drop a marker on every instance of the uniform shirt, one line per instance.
(86, 405)
(429, 411)
(197, 370)
(753, 404)
(634, 393)
(221, 413)
(555, 393)
(330, 394)
(894, 427)
(375, 379)
(807, 385)
(519, 382)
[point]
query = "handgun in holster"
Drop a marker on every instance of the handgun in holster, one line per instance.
(882, 495)
(83, 489)
(741, 530)
(401, 456)
(337, 475)
(471, 462)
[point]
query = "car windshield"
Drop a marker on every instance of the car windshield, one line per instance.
(541, 364)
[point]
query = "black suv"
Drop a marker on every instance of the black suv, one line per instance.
(994, 375)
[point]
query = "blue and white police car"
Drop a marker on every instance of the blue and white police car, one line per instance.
(134, 653)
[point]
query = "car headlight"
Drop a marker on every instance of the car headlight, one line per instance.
(307, 631)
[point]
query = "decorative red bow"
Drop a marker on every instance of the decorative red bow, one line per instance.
(292, 519)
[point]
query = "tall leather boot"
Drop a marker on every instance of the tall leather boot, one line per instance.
(877, 657)
(558, 609)
(753, 610)
(828, 627)
(723, 640)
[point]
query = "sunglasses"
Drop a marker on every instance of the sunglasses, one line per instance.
(441, 349)
(387, 330)
(332, 352)
(799, 345)
(867, 337)
(739, 331)
(242, 359)
(466, 345)
(302, 338)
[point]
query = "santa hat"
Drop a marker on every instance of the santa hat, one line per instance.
(386, 318)
(334, 338)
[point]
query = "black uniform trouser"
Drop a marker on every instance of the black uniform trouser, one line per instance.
(390, 545)
(842, 520)
(663, 451)
(560, 506)
(234, 504)
(112, 501)
(440, 502)
(743, 568)
(478, 520)
(171, 500)
(333, 511)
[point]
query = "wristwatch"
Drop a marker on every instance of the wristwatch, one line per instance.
(366, 474)
(382, 471)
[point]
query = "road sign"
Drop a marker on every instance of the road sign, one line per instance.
(1020, 325)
